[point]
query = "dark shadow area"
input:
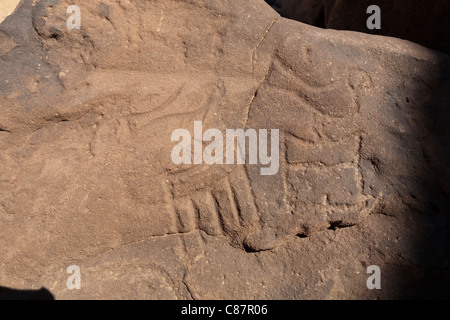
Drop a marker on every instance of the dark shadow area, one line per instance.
(276, 4)
(423, 22)
(432, 245)
(423, 209)
(422, 269)
(14, 294)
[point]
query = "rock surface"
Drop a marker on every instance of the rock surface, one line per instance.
(420, 21)
(86, 176)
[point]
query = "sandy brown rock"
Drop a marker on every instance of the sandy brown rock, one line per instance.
(86, 176)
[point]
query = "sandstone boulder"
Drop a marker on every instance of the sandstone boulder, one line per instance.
(86, 175)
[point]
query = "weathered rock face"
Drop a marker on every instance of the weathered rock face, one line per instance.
(415, 20)
(87, 179)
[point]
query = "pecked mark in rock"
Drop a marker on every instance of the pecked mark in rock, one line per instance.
(335, 225)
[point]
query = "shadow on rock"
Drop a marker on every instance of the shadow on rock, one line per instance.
(15, 294)
(418, 21)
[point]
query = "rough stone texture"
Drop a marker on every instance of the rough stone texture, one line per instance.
(86, 176)
(424, 22)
